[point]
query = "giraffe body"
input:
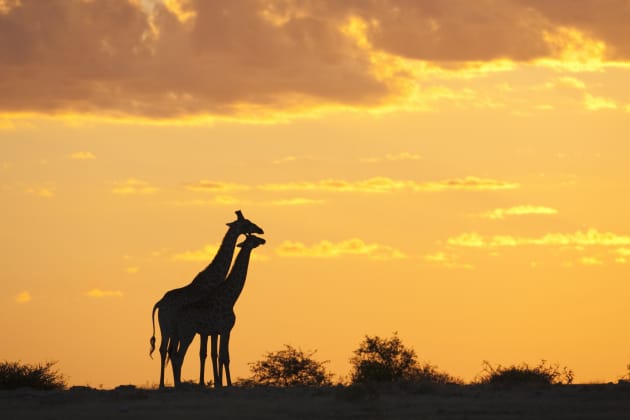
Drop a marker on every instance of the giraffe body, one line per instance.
(214, 317)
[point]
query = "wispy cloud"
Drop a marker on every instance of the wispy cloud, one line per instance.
(206, 253)
(290, 202)
(82, 156)
(23, 297)
(45, 192)
(132, 270)
(447, 260)
(596, 103)
(384, 185)
(392, 158)
(291, 159)
(591, 237)
(133, 186)
(216, 186)
(624, 252)
(566, 82)
(219, 200)
(502, 213)
(591, 261)
(469, 183)
(328, 249)
(98, 293)
(226, 200)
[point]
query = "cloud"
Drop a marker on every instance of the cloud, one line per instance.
(98, 293)
(502, 213)
(82, 156)
(133, 186)
(206, 253)
(327, 249)
(591, 261)
(384, 185)
(44, 192)
(624, 252)
(390, 157)
(292, 159)
(597, 103)
(216, 186)
(591, 237)
(290, 202)
(193, 59)
(132, 270)
(446, 260)
(372, 185)
(469, 183)
(23, 297)
(226, 200)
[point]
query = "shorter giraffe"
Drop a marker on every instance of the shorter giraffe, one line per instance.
(214, 316)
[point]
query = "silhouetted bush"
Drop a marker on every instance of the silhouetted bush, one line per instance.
(15, 375)
(388, 360)
(522, 374)
(288, 367)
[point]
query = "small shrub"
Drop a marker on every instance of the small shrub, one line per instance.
(522, 374)
(15, 375)
(388, 360)
(288, 367)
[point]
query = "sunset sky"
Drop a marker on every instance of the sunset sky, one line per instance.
(456, 171)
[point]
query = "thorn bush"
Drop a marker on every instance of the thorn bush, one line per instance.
(15, 375)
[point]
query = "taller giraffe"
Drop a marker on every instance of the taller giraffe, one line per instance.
(214, 316)
(206, 281)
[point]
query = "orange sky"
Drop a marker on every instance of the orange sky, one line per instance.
(455, 171)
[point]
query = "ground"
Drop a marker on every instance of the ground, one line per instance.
(606, 401)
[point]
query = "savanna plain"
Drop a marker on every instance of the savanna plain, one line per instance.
(600, 401)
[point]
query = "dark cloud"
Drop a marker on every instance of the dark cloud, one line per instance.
(115, 58)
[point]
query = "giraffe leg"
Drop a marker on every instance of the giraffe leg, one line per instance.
(178, 358)
(214, 355)
(163, 351)
(224, 358)
(203, 353)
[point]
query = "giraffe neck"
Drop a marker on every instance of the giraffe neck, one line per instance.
(215, 273)
(235, 281)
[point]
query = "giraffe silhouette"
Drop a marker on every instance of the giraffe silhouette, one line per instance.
(213, 316)
(202, 285)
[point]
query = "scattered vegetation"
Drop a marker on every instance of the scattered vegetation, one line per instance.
(15, 375)
(522, 374)
(288, 367)
(388, 360)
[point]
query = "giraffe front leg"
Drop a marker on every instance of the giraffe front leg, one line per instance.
(203, 353)
(214, 355)
(224, 358)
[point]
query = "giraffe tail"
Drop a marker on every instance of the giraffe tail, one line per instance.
(152, 340)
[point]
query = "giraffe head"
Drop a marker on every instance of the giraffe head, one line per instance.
(243, 225)
(251, 241)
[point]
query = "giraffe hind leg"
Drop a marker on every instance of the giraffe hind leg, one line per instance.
(163, 354)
